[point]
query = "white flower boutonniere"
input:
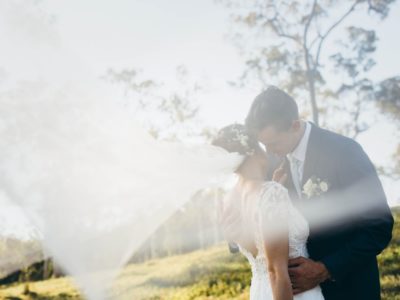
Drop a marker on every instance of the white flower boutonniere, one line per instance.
(315, 187)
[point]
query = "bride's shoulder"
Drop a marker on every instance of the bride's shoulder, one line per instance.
(273, 191)
(273, 186)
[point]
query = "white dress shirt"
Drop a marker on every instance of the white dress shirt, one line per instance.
(297, 159)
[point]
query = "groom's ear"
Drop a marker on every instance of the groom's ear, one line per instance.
(296, 125)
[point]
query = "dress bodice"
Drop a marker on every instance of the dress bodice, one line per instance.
(273, 209)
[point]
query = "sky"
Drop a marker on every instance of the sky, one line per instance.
(156, 36)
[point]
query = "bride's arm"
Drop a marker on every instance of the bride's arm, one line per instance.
(277, 253)
(275, 238)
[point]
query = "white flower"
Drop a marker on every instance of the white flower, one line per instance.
(244, 141)
(315, 187)
(323, 186)
(308, 188)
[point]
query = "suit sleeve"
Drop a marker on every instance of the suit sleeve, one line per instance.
(372, 226)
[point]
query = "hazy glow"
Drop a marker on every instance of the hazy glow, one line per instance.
(89, 180)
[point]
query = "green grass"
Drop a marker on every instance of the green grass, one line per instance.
(389, 264)
(208, 274)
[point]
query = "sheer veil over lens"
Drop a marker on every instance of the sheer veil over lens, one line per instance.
(90, 181)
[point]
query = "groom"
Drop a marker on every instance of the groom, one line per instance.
(332, 170)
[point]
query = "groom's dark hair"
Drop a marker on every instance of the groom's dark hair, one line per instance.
(273, 107)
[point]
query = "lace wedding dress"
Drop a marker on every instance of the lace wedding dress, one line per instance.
(273, 207)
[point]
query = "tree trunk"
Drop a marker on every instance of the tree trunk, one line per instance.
(201, 233)
(217, 234)
(47, 269)
(311, 86)
(153, 245)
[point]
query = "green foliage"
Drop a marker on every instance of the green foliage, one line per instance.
(388, 96)
(167, 114)
(285, 43)
(205, 274)
(389, 264)
(19, 254)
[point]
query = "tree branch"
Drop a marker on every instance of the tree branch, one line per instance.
(333, 26)
(307, 26)
(275, 25)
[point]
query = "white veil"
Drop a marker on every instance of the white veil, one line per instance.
(90, 180)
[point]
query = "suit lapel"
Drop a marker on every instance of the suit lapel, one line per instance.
(310, 163)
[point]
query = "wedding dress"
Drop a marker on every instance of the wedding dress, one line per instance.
(271, 207)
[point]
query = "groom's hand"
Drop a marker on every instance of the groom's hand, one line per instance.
(279, 175)
(306, 274)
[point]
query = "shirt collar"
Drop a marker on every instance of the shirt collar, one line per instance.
(300, 151)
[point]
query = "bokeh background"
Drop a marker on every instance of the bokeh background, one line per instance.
(190, 67)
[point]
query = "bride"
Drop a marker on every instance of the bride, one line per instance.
(270, 229)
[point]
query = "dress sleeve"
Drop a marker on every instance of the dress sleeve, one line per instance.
(273, 211)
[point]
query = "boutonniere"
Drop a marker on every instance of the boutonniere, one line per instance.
(315, 187)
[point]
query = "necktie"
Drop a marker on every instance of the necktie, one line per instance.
(296, 176)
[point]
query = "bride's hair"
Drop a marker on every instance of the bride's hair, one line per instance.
(235, 138)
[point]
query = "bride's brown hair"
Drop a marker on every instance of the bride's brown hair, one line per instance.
(235, 138)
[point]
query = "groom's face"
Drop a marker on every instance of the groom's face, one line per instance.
(280, 142)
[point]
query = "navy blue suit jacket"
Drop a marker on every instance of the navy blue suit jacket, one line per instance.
(349, 247)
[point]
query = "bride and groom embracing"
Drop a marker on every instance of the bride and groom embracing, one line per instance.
(309, 213)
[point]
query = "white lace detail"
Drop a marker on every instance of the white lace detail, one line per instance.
(273, 208)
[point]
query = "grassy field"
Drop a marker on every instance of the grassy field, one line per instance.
(389, 264)
(208, 274)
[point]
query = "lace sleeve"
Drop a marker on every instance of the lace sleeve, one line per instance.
(273, 210)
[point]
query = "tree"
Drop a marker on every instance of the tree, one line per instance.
(166, 114)
(387, 96)
(355, 61)
(173, 115)
(293, 36)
